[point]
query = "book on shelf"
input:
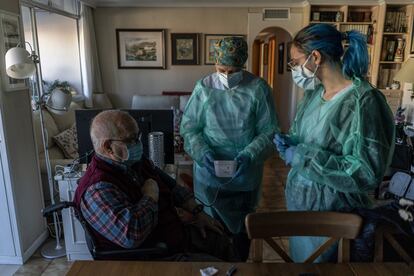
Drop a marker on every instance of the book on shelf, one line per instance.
(395, 22)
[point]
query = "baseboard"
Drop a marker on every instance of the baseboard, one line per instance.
(35, 245)
(11, 260)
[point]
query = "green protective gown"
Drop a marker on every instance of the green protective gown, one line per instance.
(344, 148)
(230, 122)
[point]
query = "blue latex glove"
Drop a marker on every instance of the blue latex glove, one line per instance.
(243, 162)
(208, 162)
(289, 153)
(282, 142)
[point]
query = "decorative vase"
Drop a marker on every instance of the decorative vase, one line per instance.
(399, 53)
(395, 85)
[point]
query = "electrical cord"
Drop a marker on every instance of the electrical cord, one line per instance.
(215, 196)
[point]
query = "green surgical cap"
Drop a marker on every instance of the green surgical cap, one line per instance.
(231, 51)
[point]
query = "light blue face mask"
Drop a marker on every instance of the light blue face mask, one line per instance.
(231, 80)
(134, 152)
(305, 78)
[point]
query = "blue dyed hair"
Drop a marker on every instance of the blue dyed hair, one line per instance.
(328, 41)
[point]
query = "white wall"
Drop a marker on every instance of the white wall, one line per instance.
(121, 84)
(23, 179)
(285, 92)
(59, 48)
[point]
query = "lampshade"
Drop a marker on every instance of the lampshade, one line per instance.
(59, 101)
(406, 73)
(18, 63)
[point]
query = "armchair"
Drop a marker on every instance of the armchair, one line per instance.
(158, 252)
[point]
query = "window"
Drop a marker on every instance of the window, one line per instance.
(58, 44)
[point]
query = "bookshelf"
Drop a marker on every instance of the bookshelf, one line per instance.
(381, 24)
(395, 42)
(349, 17)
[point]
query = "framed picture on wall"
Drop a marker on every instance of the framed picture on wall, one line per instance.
(281, 57)
(10, 36)
(185, 49)
(288, 57)
(265, 53)
(209, 41)
(141, 48)
(412, 42)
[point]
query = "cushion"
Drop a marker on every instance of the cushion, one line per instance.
(67, 141)
(155, 102)
(67, 119)
(50, 126)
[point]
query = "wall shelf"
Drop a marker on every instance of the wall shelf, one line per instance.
(390, 62)
(395, 34)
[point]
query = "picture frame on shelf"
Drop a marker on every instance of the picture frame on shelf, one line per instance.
(185, 49)
(281, 57)
(10, 37)
(209, 41)
(141, 48)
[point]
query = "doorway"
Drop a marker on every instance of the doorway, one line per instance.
(270, 54)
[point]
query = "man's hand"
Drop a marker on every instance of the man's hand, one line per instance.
(203, 221)
(150, 188)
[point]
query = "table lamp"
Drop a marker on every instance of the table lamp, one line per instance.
(20, 64)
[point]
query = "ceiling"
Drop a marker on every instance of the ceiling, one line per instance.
(230, 3)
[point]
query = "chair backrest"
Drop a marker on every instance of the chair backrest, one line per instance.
(340, 227)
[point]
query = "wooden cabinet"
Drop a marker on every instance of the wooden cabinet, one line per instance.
(395, 42)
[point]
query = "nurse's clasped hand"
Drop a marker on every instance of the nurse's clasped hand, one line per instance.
(208, 162)
(243, 162)
(289, 153)
(282, 142)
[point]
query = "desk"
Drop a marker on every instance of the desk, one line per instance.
(83, 268)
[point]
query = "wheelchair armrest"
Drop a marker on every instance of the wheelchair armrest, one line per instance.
(160, 250)
(57, 207)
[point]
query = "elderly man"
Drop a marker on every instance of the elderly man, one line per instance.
(130, 203)
(230, 116)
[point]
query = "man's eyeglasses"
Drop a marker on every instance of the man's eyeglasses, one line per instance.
(130, 140)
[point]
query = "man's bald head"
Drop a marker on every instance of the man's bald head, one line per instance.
(111, 124)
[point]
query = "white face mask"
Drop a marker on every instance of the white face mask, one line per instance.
(231, 80)
(305, 78)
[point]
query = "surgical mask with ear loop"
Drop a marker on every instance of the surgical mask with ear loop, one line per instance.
(305, 78)
(134, 153)
(231, 80)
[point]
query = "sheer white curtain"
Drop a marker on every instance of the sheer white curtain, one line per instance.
(91, 73)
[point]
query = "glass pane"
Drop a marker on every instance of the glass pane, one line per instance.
(59, 50)
(65, 5)
(44, 2)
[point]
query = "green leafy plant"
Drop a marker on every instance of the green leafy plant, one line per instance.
(62, 85)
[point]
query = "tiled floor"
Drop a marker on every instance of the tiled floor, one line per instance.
(272, 199)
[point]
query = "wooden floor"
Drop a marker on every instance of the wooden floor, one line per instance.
(273, 199)
(274, 180)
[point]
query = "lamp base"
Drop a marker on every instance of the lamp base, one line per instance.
(51, 251)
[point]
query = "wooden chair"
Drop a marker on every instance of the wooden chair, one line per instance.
(386, 232)
(340, 227)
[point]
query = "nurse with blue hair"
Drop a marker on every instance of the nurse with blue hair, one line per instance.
(230, 116)
(342, 139)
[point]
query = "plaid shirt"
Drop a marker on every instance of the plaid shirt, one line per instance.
(111, 213)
